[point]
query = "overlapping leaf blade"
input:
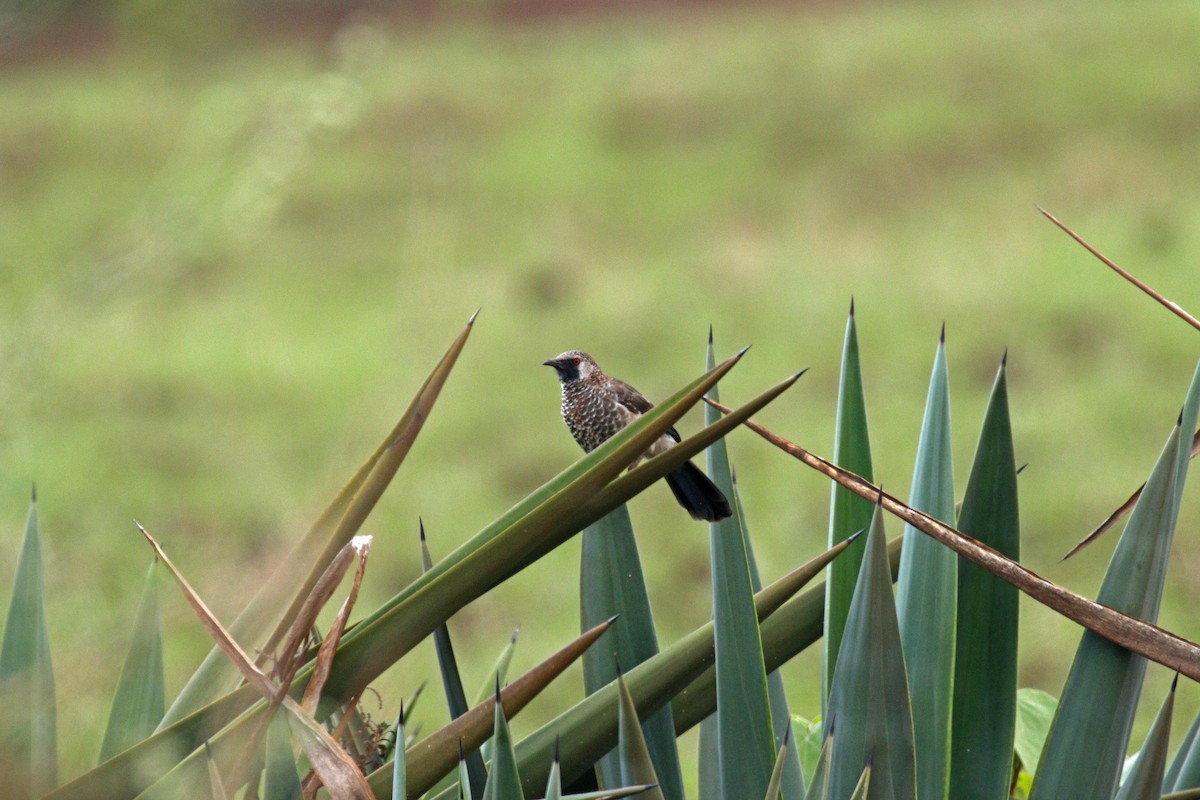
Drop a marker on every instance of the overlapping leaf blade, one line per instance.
(140, 698)
(849, 513)
(868, 702)
(985, 661)
(612, 584)
(927, 592)
(28, 741)
(1144, 779)
(1090, 734)
(637, 768)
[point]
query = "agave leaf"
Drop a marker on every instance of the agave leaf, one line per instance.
(28, 743)
(708, 778)
(216, 784)
(456, 697)
(1186, 794)
(609, 794)
(864, 783)
(985, 661)
(338, 523)
(1137, 635)
(503, 782)
(869, 696)
(1181, 756)
(589, 729)
(554, 782)
(611, 584)
(927, 591)
(1144, 779)
(1090, 733)
(849, 513)
(281, 781)
(743, 726)
(1185, 766)
(819, 790)
(464, 777)
(533, 527)
(636, 764)
(140, 698)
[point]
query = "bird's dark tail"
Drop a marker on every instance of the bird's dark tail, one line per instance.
(699, 496)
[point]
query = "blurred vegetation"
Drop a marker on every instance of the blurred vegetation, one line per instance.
(228, 254)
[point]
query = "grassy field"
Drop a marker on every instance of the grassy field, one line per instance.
(226, 268)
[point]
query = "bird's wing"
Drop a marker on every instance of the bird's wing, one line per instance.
(632, 400)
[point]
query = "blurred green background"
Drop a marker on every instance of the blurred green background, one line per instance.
(233, 241)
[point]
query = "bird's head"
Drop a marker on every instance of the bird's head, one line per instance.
(573, 365)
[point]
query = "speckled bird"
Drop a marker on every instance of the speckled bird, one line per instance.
(595, 407)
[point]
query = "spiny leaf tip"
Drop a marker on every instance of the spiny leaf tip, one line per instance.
(710, 339)
(942, 335)
(471, 321)
(852, 305)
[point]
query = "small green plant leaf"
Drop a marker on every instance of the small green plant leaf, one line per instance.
(636, 765)
(140, 699)
(1144, 779)
(927, 592)
(849, 513)
(280, 780)
(28, 741)
(1090, 734)
(503, 781)
(611, 584)
(1035, 711)
(868, 701)
(985, 661)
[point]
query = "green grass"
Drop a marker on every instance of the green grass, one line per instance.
(224, 274)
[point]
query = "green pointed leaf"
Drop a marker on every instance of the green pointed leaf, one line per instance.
(503, 782)
(849, 513)
(338, 523)
(1090, 734)
(1172, 780)
(28, 743)
(868, 701)
(456, 697)
(774, 786)
(985, 667)
(1035, 711)
(554, 782)
(746, 746)
(819, 790)
(140, 699)
(281, 780)
(400, 762)
(708, 779)
(499, 671)
(864, 783)
(927, 592)
(1144, 779)
(611, 584)
(636, 764)
(464, 777)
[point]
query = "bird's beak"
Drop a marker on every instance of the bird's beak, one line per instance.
(551, 362)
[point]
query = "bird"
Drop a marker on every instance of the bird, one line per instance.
(596, 406)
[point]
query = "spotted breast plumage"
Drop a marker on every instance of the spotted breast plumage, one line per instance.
(596, 406)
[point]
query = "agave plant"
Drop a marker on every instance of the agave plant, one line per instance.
(919, 687)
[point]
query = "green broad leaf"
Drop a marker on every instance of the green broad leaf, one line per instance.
(611, 584)
(636, 764)
(927, 592)
(985, 660)
(868, 702)
(1035, 711)
(682, 671)
(280, 779)
(1090, 734)
(503, 781)
(336, 525)
(456, 697)
(28, 741)
(140, 699)
(542, 521)
(809, 734)
(849, 513)
(1172, 781)
(1144, 779)
(746, 749)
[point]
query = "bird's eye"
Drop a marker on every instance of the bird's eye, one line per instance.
(575, 361)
